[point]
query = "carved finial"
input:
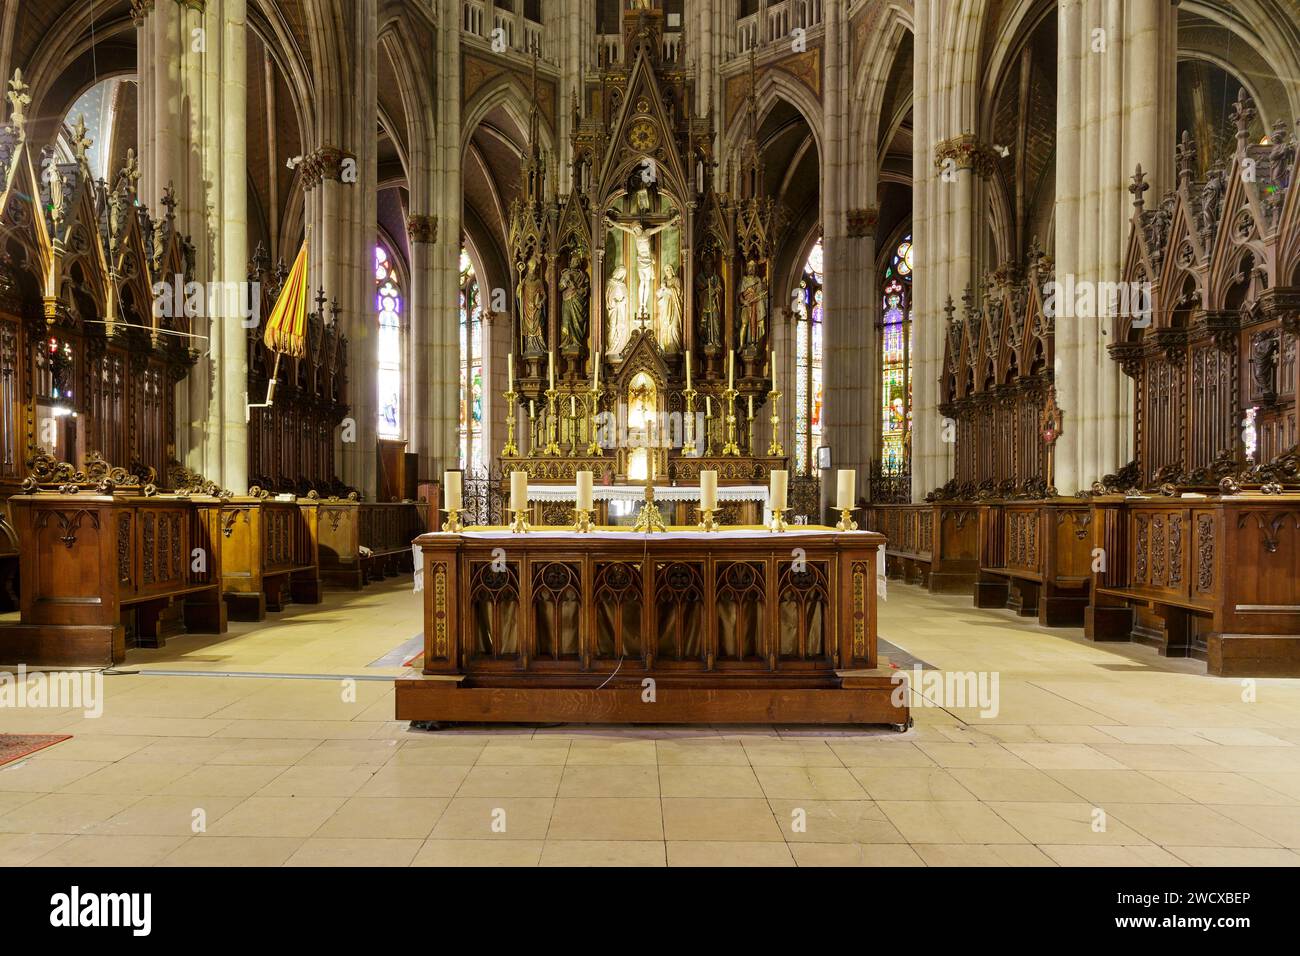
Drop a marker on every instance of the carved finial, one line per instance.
(19, 98)
(968, 300)
(169, 200)
(320, 302)
(1243, 112)
(80, 141)
(1139, 187)
(334, 311)
(1186, 154)
(948, 310)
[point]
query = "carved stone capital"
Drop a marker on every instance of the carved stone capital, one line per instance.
(860, 223)
(967, 152)
(422, 228)
(325, 162)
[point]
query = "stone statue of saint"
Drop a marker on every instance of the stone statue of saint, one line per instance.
(645, 260)
(710, 288)
(532, 309)
(668, 321)
(619, 319)
(574, 290)
(753, 306)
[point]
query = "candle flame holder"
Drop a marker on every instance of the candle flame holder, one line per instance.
(777, 522)
(519, 524)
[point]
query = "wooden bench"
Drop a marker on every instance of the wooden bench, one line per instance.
(363, 541)
(1213, 578)
(934, 544)
(271, 555)
(105, 571)
(1036, 558)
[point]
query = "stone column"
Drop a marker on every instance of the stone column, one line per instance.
(443, 383)
(192, 134)
(1115, 76)
(849, 342)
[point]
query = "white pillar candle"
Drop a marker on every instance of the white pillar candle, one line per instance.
(731, 370)
(510, 371)
(550, 361)
(518, 491)
(751, 405)
(708, 490)
(573, 406)
(688, 370)
(452, 491)
(595, 372)
(774, 369)
(708, 406)
(776, 494)
(584, 502)
(846, 479)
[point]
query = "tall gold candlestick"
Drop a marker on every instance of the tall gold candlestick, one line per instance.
(750, 429)
(774, 446)
(688, 423)
(731, 448)
(511, 449)
(552, 445)
(593, 446)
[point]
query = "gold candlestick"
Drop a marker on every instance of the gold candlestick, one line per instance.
(778, 520)
(846, 522)
(774, 446)
(731, 448)
(750, 422)
(706, 520)
(708, 435)
(649, 519)
(688, 424)
(581, 521)
(511, 449)
(552, 445)
(593, 447)
(453, 523)
(519, 524)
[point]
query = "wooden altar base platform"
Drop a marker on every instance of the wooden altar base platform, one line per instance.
(862, 697)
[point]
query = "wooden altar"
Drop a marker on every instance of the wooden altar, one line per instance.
(739, 626)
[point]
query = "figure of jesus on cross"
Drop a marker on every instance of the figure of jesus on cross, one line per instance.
(645, 260)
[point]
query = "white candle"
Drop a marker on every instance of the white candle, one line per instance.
(731, 370)
(510, 371)
(688, 370)
(708, 491)
(452, 496)
(846, 479)
(573, 406)
(708, 406)
(550, 361)
(751, 405)
(776, 493)
(774, 369)
(518, 491)
(584, 491)
(595, 380)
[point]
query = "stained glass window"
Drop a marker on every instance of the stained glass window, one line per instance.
(808, 364)
(388, 306)
(472, 456)
(896, 362)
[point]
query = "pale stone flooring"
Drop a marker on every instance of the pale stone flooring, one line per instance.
(1098, 755)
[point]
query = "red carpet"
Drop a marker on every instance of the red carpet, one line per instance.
(14, 746)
